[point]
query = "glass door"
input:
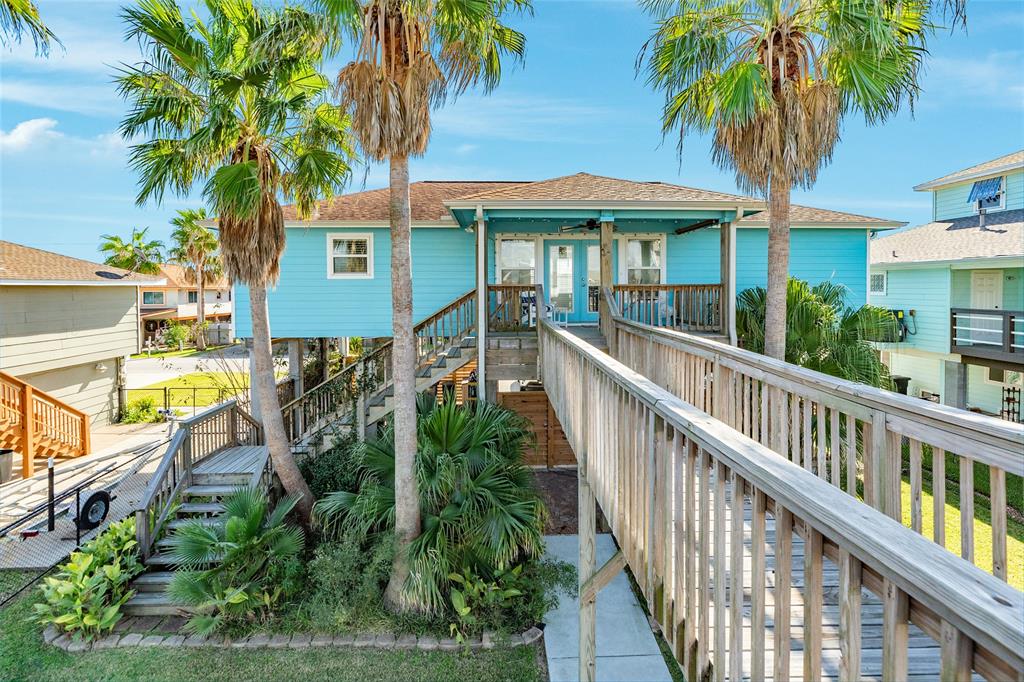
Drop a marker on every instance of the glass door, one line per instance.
(572, 279)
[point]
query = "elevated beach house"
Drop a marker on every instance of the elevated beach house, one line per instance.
(959, 283)
(66, 327)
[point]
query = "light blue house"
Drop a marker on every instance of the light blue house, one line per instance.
(960, 282)
(506, 237)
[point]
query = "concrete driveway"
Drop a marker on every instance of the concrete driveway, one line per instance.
(142, 372)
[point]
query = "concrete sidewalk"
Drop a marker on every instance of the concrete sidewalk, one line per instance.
(626, 648)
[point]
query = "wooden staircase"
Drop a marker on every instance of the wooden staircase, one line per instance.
(38, 426)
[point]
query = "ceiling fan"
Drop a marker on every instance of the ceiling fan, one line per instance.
(588, 224)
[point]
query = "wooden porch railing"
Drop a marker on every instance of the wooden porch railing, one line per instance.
(339, 398)
(511, 307)
(686, 307)
(858, 438)
(989, 334)
(37, 424)
(224, 426)
(676, 485)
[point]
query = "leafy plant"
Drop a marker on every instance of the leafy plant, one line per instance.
(472, 594)
(480, 510)
(137, 254)
(822, 332)
(332, 469)
(140, 411)
(177, 334)
(239, 567)
(86, 595)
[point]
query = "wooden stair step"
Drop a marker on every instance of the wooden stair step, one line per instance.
(200, 508)
(210, 490)
(153, 581)
(154, 604)
(203, 520)
(160, 559)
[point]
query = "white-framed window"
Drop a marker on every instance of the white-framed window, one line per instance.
(192, 296)
(349, 255)
(152, 298)
(879, 281)
(517, 259)
(989, 194)
(644, 260)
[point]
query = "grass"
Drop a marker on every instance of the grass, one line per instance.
(198, 389)
(23, 656)
(178, 353)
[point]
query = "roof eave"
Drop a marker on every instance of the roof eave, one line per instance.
(973, 260)
(79, 283)
(881, 225)
(939, 183)
(642, 204)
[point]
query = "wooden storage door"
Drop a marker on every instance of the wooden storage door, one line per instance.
(552, 447)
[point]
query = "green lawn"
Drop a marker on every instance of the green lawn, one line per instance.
(178, 353)
(209, 388)
(23, 656)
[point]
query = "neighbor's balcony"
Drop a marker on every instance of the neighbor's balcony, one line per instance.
(987, 334)
(210, 309)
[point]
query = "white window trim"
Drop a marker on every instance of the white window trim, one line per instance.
(624, 266)
(331, 274)
(885, 283)
(538, 276)
(163, 297)
(1002, 196)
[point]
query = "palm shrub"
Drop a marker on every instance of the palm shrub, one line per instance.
(481, 514)
(85, 597)
(822, 332)
(240, 567)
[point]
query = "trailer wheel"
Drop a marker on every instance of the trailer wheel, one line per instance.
(94, 510)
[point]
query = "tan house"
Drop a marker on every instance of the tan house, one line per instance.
(67, 325)
(177, 300)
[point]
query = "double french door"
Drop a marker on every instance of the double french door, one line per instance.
(572, 270)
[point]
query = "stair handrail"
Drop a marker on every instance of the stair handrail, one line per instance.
(436, 333)
(222, 426)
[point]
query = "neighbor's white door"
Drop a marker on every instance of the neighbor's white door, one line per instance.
(987, 294)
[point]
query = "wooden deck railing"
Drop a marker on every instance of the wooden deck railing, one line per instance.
(511, 307)
(223, 426)
(675, 485)
(686, 307)
(339, 398)
(990, 334)
(858, 438)
(37, 424)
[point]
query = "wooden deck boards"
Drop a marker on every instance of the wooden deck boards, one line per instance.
(244, 459)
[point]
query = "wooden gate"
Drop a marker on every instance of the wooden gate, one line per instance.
(552, 447)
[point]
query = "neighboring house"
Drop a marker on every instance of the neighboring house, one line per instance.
(959, 281)
(335, 270)
(177, 301)
(66, 326)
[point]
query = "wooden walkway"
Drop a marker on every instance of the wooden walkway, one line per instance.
(243, 459)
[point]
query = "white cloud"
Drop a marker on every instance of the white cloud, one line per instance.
(29, 134)
(522, 118)
(84, 51)
(463, 149)
(989, 81)
(79, 98)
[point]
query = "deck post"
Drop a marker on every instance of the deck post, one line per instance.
(295, 367)
(727, 251)
(254, 396)
(607, 273)
(588, 599)
(28, 428)
(481, 304)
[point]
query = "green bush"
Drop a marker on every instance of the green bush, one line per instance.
(239, 568)
(177, 334)
(333, 469)
(85, 597)
(140, 411)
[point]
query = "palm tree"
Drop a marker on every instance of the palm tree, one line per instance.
(22, 16)
(772, 80)
(137, 254)
(214, 106)
(195, 249)
(411, 56)
(822, 332)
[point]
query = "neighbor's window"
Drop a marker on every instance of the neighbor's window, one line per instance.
(518, 261)
(878, 283)
(350, 256)
(987, 194)
(643, 261)
(193, 296)
(152, 298)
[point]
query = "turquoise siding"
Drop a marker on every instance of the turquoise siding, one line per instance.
(983, 394)
(307, 304)
(926, 291)
(1013, 288)
(951, 202)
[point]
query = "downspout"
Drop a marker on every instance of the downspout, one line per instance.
(481, 305)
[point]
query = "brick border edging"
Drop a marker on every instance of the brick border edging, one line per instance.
(298, 641)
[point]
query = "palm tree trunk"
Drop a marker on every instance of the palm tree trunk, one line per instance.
(270, 410)
(778, 269)
(200, 308)
(403, 363)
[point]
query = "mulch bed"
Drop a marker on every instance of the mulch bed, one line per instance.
(558, 487)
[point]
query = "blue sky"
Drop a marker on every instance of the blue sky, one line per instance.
(575, 105)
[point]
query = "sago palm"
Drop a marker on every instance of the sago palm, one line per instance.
(479, 508)
(252, 126)
(410, 56)
(771, 80)
(195, 249)
(138, 254)
(22, 16)
(822, 332)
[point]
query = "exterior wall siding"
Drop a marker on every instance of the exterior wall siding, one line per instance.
(927, 292)
(83, 387)
(306, 303)
(951, 202)
(925, 372)
(1013, 288)
(50, 327)
(983, 394)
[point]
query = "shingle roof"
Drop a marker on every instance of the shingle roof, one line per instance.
(426, 198)
(1008, 162)
(24, 264)
(176, 279)
(823, 216)
(947, 240)
(587, 187)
